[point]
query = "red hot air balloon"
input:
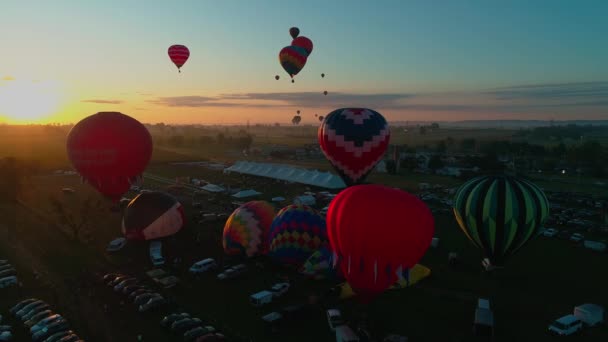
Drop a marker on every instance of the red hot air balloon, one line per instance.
(294, 32)
(179, 55)
(354, 141)
(304, 43)
(378, 234)
(110, 150)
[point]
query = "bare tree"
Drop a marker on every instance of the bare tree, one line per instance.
(78, 221)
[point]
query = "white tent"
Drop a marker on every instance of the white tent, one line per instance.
(288, 173)
(304, 200)
(213, 188)
(246, 193)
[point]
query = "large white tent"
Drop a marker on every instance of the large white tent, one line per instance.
(288, 173)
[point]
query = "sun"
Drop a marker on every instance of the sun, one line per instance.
(28, 101)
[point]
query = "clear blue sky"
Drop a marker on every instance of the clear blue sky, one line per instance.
(112, 50)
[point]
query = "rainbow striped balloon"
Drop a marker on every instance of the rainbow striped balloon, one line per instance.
(246, 230)
(295, 234)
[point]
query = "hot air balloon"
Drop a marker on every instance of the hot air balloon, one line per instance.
(179, 55)
(298, 112)
(152, 215)
(325, 92)
(321, 118)
(320, 265)
(316, 115)
(296, 232)
(296, 120)
(499, 214)
(304, 43)
(276, 77)
(322, 75)
(354, 141)
(294, 32)
(378, 233)
(110, 150)
(246, 230)
(292, 59)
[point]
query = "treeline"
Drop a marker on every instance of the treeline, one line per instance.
(241, 140)
(13, 175)
(570, 131)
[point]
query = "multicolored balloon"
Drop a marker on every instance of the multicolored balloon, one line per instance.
(152, 215)
(296, 120)
(500, 214)
(378, 233)
(246, 230)
(110, 150)
(292, 59)
(304, 43)
(320, 265)
(354, 140)
(179, 54)
(296, 232)
(294, 32)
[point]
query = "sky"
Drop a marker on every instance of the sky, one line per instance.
(63, 60)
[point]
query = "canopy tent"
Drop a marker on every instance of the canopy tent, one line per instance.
(288, 173)
(213, 188)
(246, 193)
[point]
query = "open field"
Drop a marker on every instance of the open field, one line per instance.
(544, 281)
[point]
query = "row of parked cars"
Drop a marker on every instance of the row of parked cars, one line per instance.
(192, 329)
(599, 246)
(141, 295)
(8, 274)
(44, 325)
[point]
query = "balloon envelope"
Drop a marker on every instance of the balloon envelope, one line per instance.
(296, 232)
(377, 232)
(500, 214)
(152, 215)
(304, 43)
(179, 54)
(354, 140)
(246, 230)
(294, 32)
(109, 150)
(292, 59)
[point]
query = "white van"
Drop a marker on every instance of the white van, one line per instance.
(345, 334)
(156, 254)
(261, 298)
(590, 314)
(334, 319)
(203, 266)
(566, 325)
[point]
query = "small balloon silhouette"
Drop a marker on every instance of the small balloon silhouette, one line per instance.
(276, 77)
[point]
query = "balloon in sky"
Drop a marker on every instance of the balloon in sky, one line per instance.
(294, 32)
(354, 140)
(304, 43)
(179, 55)
(325, 92)
(110, 150)
(293, 59)
(298, 111)
(296, 232)
(322, 75)
(246, 230)
(321, 118)
(296, 120)
(499, 214)
(152, 215)
(276, 77)
(377, 233)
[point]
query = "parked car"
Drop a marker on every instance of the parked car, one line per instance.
(70, 338)
(194, 333)
(125, 282)
(168, 320)
(153, 303)
(110, 276)
(577, 237)
(49, 330)
(156, 253)
(279, 289)
(590, 314)
(127, 290)
(8, 272)
(46, 322)
(59, 335)
(334, 319)
(551, 232)
(8, 281)
(34, 311)
(5, 267)
(21, 305)
(38, 317)
(566, 325)
(116, 244)
(215, 336)
(185, 324)
(141, 291)
(117, 280)
(232, 272)
(203, 266)
(145, 297)
(6, 336)
(28, 308)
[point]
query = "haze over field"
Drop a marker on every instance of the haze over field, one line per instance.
(64, 60)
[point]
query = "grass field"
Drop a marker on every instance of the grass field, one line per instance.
(541, 283)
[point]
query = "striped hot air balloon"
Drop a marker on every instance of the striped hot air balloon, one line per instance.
(246, 230)
(179, 54)
(152, 215)
(296, 232)
(499, 214)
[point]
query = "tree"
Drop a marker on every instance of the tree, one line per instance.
(441, 147)
(468, 144)
(435, 125)
(176, 140)
(422, 130)
(221, 138)
(435, 163)
(391, 167)
(560, 150)
(77, 222)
